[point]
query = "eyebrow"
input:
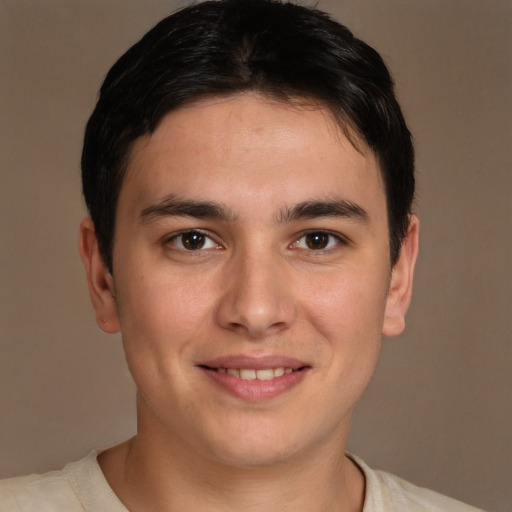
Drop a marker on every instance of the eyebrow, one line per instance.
(172, 206)
(312, 209)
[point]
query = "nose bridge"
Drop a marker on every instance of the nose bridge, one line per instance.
(257, 300)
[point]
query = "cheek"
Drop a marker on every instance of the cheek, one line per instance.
(348, 312)
(161, 320)
(162, 312)
(346, 305)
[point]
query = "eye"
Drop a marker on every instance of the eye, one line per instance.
(317, 241)
(193, 240)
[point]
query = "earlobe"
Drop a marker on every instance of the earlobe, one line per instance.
(400, 288)
(99, 279)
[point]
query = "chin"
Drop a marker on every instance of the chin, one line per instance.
(251, 455)
(263, 446)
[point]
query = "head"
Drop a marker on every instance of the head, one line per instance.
(219, 48)
(249, 178)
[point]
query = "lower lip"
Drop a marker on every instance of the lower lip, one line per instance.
(256, 390)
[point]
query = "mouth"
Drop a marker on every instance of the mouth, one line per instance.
(253, 374)
(255, 379)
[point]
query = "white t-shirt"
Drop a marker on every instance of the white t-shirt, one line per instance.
(81, 487)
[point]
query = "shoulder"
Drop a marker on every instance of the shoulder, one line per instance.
(386, 492)
(79, 487)
(47, 492)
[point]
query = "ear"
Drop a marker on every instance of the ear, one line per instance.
(400, 288)
(100, 280)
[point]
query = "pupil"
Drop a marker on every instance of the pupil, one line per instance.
(193, 240)
(317, 240)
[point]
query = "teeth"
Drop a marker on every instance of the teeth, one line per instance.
(264, 374)
(250, 374)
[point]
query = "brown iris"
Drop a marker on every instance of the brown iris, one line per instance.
(317, 240)
(193, 240)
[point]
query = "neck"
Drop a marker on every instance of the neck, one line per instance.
(145, 481)
(160, 473)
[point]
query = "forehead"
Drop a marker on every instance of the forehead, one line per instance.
(251, 143)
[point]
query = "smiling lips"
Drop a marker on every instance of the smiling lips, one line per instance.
(255, 379)
(251, 374)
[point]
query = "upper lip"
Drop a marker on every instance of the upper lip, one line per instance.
(254, 363)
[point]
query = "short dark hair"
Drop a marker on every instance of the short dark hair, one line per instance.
(224, 47)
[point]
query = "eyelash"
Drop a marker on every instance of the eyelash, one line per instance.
(336, 237)
(207, 239)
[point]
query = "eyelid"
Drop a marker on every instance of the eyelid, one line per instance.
(341, 239)
(170, 238)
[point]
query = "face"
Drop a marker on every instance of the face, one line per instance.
(252, 281)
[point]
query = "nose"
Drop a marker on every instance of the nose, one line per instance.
(258, 300)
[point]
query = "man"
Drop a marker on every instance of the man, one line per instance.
(249, 178)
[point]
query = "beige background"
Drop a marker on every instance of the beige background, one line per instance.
(439, 409)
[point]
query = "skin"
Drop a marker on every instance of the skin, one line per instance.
(255, 288)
